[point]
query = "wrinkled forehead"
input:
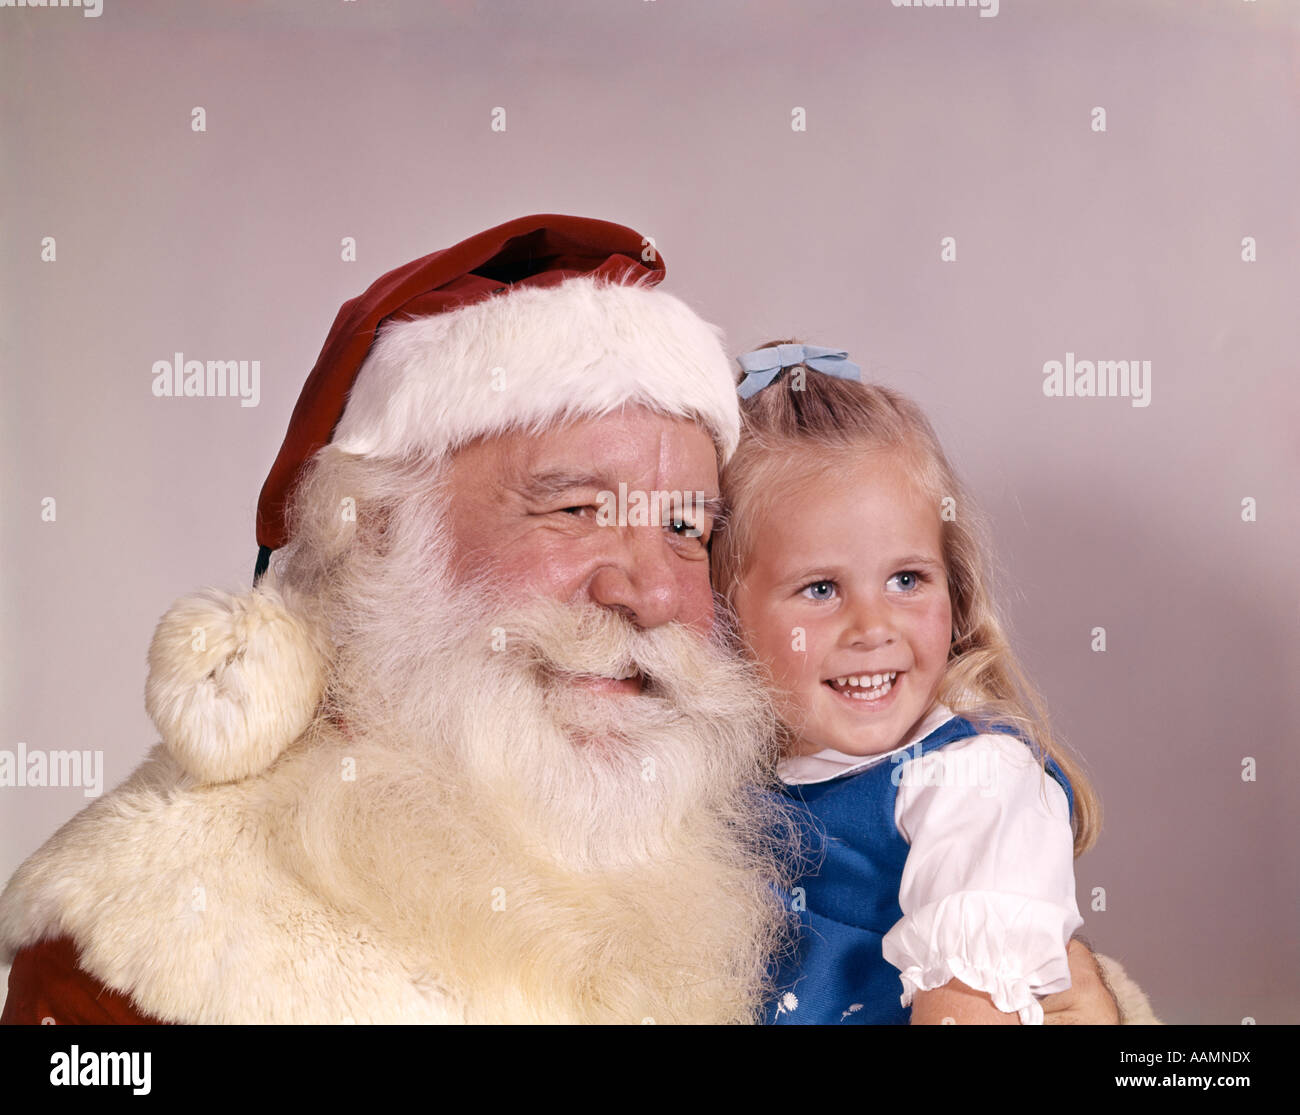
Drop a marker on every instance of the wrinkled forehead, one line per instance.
(634, 444)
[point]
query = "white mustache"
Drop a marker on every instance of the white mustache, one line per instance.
(560, 639)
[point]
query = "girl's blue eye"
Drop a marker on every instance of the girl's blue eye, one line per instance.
(909, 580)
(820, 590)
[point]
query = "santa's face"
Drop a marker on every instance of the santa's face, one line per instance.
(557, 515)
(539, 707)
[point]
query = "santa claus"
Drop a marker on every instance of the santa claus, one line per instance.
(468, 752)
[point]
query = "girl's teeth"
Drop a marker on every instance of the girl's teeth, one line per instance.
(869, 680)
(872, 686)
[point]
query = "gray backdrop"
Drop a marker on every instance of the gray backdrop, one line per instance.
(374, 120)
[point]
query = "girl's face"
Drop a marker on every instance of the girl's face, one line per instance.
(846, 602)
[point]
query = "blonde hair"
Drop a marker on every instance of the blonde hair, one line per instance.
(805, 413)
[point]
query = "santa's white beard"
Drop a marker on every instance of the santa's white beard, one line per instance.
(545, 853)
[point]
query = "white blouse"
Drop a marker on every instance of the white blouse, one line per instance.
(988, 887)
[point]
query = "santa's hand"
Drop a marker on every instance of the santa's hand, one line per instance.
(1089, 1001)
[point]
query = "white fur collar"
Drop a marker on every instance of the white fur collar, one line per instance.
(169, 890)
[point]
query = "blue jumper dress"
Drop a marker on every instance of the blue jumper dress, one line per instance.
(838, 974)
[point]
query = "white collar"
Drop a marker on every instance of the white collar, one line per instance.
(801, 770)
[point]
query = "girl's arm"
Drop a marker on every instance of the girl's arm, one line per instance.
(956, 1004)
(1087, 1002)
(987, 892)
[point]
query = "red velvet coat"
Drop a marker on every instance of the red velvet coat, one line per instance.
(45, 983)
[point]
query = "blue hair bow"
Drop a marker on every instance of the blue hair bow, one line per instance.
(762, 366)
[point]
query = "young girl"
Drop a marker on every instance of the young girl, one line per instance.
(935, 805)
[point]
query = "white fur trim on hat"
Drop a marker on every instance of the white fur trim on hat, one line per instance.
(531, 356)
(233, 680)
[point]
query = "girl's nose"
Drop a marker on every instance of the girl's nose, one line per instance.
(868, 624)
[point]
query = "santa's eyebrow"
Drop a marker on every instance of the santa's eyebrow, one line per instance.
(556, 482)
(551, 485)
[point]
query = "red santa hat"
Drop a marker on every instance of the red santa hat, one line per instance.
(540, 320)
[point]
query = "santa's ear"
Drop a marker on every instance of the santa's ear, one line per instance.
(233, 680)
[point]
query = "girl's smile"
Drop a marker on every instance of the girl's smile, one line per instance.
(871, 690)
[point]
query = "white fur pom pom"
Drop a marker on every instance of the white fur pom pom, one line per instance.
(233, 680)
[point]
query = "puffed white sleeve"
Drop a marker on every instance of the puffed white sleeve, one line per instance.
(988, 887)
